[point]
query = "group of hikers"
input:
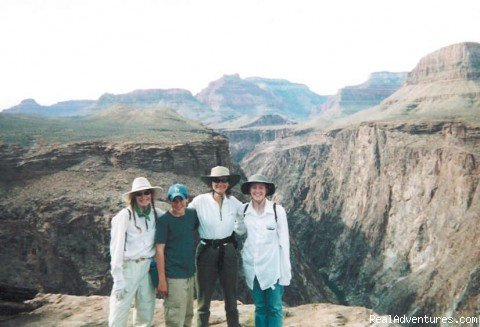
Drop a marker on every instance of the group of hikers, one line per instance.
(142, 233)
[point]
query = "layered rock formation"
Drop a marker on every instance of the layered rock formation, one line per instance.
(243, 141)
(236, 97)
(388, 210)
(58, 201)
(65, 108)
(444, 85)
(58, 193)
(180, 101)
(352, 99)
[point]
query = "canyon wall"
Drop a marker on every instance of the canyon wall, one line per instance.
(387, 210)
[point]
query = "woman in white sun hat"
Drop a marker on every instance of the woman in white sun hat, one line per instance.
(216, 256)
(132, 249)
(266, 252)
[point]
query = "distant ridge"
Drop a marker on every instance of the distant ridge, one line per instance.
(234, 97)
(352, 99)
(64, 108)
(445, 84)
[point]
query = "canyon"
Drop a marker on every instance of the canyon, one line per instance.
(382, 201)
(387, 207)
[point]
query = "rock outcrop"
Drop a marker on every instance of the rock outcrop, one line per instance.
(352, 99)
(58, 193)
(63, 109)
(444, 85)
(388, 210)
(235, 97)
(65, 311)
(243, 141)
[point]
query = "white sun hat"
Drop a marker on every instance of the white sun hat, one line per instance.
(140, 184)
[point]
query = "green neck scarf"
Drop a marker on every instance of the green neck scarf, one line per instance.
(145, 214)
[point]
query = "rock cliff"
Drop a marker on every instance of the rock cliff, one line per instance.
(387, 211)
(58, 193)
(235, 97)
(352, 99)
(57, 203)
(444, 85)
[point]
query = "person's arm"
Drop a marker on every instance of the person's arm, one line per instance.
(117, 249)
(240, 227)
(284, 241)
(162, 288)
(193, 204)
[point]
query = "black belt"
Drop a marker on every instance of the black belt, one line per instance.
(220, 242)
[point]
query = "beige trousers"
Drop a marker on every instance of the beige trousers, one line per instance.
(178, 305)
(140, 291)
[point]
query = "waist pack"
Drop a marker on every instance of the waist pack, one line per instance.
(153, 273)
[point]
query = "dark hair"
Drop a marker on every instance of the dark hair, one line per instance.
(228, 192)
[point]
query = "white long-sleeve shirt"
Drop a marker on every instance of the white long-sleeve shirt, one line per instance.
(266, 252)
(129, 242)
(215, 223)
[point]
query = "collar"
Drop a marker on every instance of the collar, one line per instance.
(268, 208)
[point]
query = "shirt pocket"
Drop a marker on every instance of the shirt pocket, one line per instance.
(271, 226)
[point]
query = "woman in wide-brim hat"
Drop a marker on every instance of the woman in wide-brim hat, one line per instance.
(132, 249)
(216, 256)
(267, 269)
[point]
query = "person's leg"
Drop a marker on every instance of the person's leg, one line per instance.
(228, 280)
(189, 303)
(145, 296)
(274, 306)
(175, 305)
(119, 309)
(259, 299)
(206, 275)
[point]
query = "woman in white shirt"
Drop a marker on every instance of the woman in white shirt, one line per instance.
(266, 252)
(131, 249)
(216, 256)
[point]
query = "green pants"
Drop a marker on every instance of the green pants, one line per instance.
(210, 268)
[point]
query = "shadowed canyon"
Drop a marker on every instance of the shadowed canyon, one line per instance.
(380, 182)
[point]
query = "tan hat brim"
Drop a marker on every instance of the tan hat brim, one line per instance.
(232, 179)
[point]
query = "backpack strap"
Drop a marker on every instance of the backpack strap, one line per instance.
(129, 218)
(274, 210)
(245, 210)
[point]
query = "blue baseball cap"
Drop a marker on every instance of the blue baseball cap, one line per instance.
(177, 190)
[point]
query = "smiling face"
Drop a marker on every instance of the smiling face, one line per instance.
(178, 206)
(258, 192)
(143, 198)
(220, 185)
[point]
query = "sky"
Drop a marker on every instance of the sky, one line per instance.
(58, 50)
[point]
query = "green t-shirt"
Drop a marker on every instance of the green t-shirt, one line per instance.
(178, 235)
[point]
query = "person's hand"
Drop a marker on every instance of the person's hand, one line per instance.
(120, 293)
(162, 288)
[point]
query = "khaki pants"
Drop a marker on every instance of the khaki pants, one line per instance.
(140, 291)
(178, 305)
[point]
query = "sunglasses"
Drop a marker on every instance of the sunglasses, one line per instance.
(220, 180)
(147, 192)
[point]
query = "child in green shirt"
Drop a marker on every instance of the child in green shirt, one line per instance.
(175, 256)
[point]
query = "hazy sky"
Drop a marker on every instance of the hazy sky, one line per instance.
(57, 50)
